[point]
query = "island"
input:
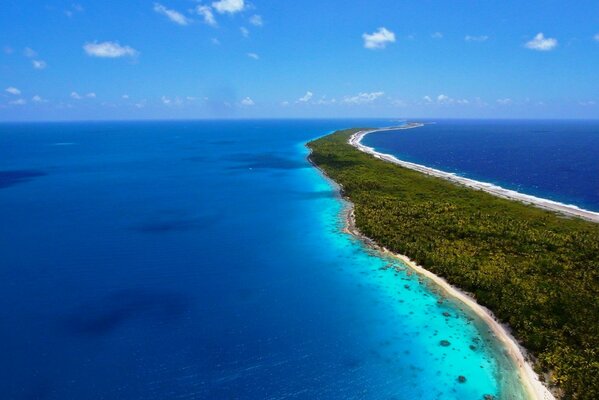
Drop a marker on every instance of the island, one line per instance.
(532, 270)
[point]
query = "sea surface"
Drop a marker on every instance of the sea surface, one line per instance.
(557, 160)
(206, 260)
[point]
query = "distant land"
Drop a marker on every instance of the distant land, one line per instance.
(535, 269)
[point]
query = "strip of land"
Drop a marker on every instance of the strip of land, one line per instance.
(566, 209)
(535, 270)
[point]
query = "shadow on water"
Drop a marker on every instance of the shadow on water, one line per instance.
(11, 178)
(265, 161)
(105, 315)
(176, 224)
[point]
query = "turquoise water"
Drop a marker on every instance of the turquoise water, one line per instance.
(206, 260)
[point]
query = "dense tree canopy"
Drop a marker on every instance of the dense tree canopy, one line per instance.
(536, 270)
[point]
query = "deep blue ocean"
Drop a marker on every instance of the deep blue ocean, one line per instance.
(557, 160)
(206, 260)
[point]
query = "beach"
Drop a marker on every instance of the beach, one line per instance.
(534, 387)
(550, 205)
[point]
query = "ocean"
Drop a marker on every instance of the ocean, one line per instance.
(206, 260)
(556, 160)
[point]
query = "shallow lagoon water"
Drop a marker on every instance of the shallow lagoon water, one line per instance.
(205, 260)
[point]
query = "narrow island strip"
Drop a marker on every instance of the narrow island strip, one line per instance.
(530, 274)
(566, 209)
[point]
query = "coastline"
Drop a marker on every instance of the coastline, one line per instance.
(533, 386)
(546, 204)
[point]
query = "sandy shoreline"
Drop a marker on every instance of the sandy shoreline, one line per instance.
(534, 387)
(550, 205)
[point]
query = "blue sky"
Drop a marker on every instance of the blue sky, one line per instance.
(64, 60)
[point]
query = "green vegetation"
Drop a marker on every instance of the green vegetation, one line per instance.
(536, 270)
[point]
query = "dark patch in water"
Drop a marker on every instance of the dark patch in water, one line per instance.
(14, 177)
(105, 315)
(165, 225)
(317, 195)
(265, 161)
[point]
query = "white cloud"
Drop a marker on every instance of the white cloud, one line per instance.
(206, 13)
(541, 43)
(285, 103)
(504, 102)
(173, 15)
(38, 99)
(228, 6)
(427, 99)
(77, 96)
(437, 35)
(39, 64)
(305, 98)
(13, 90)
(247, 102)
(256, 20)
(481, 38)
(125, 97)
(363, 98)
(589, 103)
(443, 98)
(109, 50)
(244, 31)
(18, 102)
(215, 41)
(378, 39)
(29, 52)
(596, 37)
(165, 100)
(254, 56)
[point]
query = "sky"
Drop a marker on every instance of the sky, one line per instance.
(187, 59)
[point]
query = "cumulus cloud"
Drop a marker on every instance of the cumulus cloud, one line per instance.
(38, 99)
(39, 64)
(244, 31)
(481, 38)
(306, 98)
(18, 102)
(172, 15)
(437, 35)
(541, 43)
(13, 90)
(215, 41)
(443, 98)
(207, 15)
(596, 37)
(109, 50)
(254, 56)
(228, 6)
(378, 39)
(256, 20)
(363, 98)
(504, 102)
(427, 99)
(247, 102)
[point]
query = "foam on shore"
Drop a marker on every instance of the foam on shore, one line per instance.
(551, 205)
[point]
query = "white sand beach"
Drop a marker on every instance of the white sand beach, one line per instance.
(565, 209)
